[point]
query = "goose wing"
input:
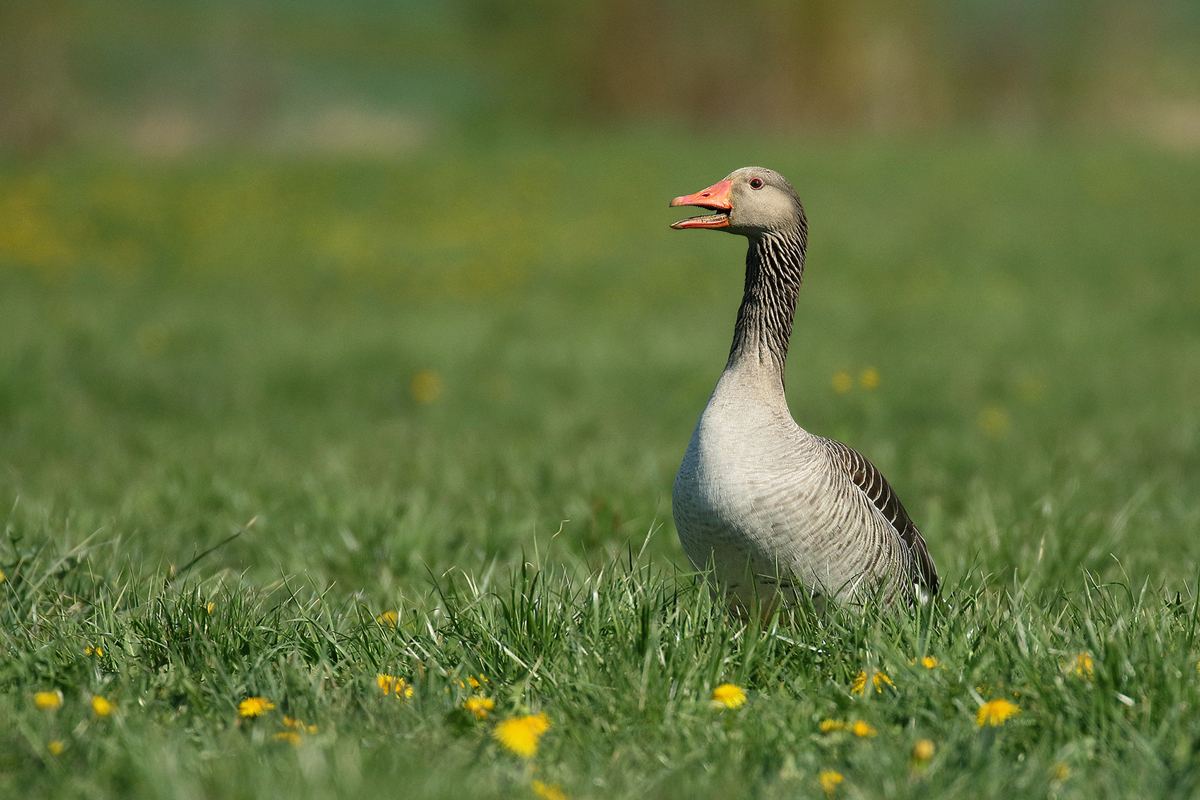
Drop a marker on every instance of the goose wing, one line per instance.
(867, 477)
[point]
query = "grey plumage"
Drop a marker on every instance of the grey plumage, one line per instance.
(773, 510)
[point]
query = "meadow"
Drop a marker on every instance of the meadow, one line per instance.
(303, 459)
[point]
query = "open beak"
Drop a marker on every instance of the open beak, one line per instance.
(715, 197)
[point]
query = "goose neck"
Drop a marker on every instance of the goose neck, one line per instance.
(774, 269)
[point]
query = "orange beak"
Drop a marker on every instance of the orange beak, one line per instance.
(715, 197)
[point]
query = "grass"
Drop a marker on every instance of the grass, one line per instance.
(249, 406)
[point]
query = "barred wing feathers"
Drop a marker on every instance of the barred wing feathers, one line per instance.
(866, 477)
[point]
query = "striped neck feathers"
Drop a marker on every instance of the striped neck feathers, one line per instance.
(774, 269)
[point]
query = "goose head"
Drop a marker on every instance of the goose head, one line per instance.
(751, 201)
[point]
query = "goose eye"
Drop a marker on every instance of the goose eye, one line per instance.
(756, 183)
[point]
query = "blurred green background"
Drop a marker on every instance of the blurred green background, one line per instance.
(165, 78)
(394, 279)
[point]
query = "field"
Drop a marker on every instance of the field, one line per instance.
(273, 428)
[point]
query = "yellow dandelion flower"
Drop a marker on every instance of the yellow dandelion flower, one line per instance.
(209, 608)
(48, 701)
(479, 706)
(995, 712)
(389, 618)
(93, 651)
(863, 729)
(56, 747)
(394, 686)
(3, 577)
(842, 382)
(922, 750)
(291, 737)
(101, 706)
(548, 791)
(471, 682)
(1060, 772)
(831, 725)
(254, 706)
(1083, 666)
(426, 386)
(829, 781)
(520, 735)
(929, 662)
(298, 725)
(993, 421)
(869, 378)
(728, 696)
(878, 680)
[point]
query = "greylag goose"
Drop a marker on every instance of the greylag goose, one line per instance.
(770, 511)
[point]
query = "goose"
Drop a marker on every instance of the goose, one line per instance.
(770, 512)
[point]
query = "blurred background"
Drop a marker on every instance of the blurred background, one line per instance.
(165, 78)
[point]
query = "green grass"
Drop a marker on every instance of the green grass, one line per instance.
(229, 346)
